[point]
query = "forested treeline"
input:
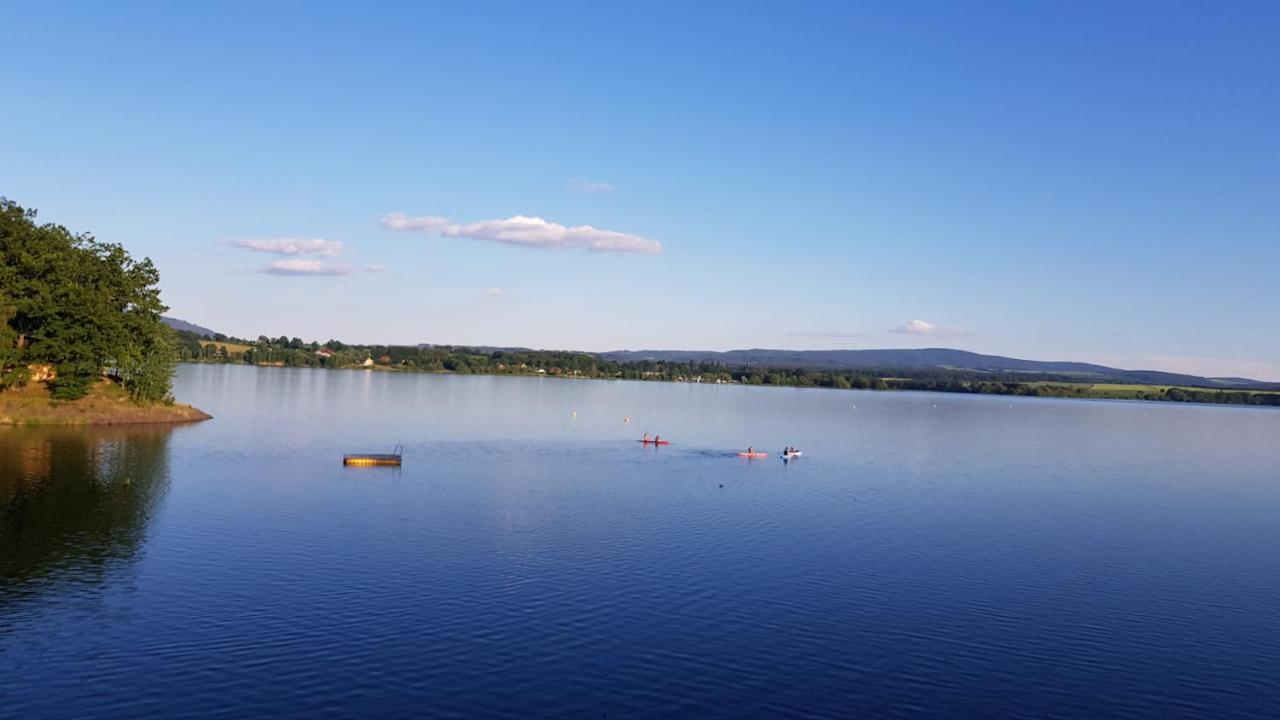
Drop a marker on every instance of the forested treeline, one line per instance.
(84, 307)
(293, 352)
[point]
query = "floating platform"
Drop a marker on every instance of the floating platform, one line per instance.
(364, 459)
(369, 459)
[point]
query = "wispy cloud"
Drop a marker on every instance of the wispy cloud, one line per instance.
(298, 266)
(492, 296)
(590, 185)
(425, 223)
(292, 246)
(920, 327)
(528, 231)
(305, 268)
(828, 334)
(315, 268)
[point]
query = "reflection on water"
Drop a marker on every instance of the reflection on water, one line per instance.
(75, 502)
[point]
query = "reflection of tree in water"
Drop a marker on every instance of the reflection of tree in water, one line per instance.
(73, 502)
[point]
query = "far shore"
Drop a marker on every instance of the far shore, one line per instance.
(1038, 388)
(107, 404)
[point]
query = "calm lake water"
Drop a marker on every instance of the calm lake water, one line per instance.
(930, 555)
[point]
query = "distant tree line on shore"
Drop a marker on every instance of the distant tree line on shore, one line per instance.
(293, 352)
(78, 310)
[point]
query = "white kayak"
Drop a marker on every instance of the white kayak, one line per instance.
(789, 456)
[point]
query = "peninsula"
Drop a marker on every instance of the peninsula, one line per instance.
(107, 403)
(81, 336)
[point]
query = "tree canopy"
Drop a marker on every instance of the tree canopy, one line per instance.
(83, 306)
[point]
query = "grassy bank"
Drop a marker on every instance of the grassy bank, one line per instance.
(106, 404)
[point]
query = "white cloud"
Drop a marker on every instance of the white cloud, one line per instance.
(293, 246)
(299, 267)
(426, 223)
(492, 296)
(528, 231)
(915, 327)
(920, 327)
(305, 268)
(590, 186)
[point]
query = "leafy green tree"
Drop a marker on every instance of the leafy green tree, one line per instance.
(148, 373)
(81, 305)
(13, 366)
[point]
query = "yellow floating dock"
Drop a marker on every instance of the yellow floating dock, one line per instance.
(366, 459)
(371, 459)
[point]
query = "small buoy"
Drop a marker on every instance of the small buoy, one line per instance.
(721, 484)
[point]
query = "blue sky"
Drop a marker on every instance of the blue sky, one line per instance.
(1086, 180)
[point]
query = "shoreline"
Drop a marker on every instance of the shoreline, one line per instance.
(176, 414)
(106, 404)
(1035, 389)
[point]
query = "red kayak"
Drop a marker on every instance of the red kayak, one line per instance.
(655, 442)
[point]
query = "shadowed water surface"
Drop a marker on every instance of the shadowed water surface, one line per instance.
(930, 555)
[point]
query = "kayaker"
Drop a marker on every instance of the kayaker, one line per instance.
(657, 439)
(646, 438)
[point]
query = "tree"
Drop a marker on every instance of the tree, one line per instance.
(81, 305)
(13, 367)
(149, 374)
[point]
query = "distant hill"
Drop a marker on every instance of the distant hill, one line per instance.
(177, 324)
(928, 358)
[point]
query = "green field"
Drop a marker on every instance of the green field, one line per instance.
(227, 346)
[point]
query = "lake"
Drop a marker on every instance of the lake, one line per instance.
(931, 555)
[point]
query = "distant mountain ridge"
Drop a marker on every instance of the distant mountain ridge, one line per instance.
(1000, 367)
(942, 358)
(183, 325)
